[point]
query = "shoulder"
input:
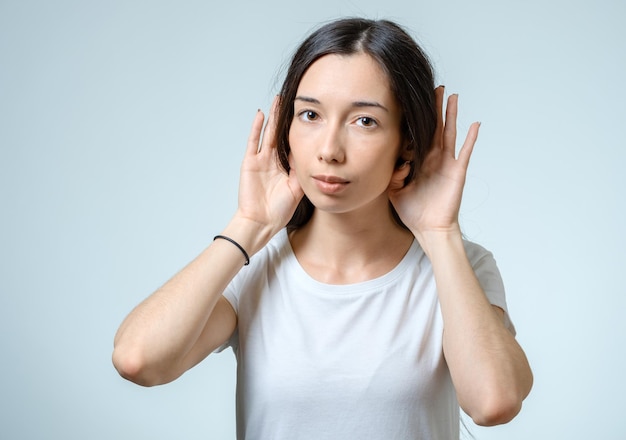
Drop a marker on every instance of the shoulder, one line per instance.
(253, 277)
(475, 252)
(274, 251)
(481, 260)
(489, 277)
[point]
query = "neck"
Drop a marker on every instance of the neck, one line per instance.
(350, 247)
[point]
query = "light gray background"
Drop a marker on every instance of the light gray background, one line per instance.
(122, 126)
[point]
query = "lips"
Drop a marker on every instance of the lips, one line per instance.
(330, 179)
(330, 184)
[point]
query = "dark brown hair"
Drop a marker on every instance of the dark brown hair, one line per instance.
(410, 76)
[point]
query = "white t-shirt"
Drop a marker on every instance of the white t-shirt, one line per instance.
(359, 361)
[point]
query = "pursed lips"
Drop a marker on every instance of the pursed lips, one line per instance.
(330, 179)
(330, 184)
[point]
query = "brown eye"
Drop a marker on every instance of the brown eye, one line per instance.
(365, 121)
(308, 115)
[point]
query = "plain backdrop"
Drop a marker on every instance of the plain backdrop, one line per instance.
(122, 128)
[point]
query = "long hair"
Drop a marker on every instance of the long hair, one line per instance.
(406, 66)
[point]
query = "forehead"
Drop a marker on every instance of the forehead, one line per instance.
(349, 78)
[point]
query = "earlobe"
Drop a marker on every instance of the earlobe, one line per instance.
(400, 174)
(406, 153)
(404, 164)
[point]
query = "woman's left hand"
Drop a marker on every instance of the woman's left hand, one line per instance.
(431, 202)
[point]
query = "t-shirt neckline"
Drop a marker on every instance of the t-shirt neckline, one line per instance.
(408, 262)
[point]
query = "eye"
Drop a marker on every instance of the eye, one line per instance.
(308, 115)
(365, 121)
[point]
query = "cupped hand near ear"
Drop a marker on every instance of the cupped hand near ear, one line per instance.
(267, 195)
(431, 202)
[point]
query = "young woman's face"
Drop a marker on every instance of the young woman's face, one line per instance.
(345, 137)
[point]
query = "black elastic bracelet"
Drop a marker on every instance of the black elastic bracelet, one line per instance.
(245, 254)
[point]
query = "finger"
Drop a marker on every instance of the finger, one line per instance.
(468, 145)
(449, 131)
(255, 133)
(269, 133)
(439, 92)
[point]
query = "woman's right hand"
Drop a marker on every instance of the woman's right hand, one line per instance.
(187, 318)
(267, 195)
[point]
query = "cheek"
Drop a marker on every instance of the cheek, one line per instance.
(392, 162)
(297, 145)
(295, 152)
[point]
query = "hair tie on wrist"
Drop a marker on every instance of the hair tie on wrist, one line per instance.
(243, 251)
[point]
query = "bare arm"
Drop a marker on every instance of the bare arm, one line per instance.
(489, 369)
(182, 322)
(187, 318)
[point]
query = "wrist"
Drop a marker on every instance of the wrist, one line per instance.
(434, 241)
(249, 234)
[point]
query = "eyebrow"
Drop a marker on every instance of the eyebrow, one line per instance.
(357, 104)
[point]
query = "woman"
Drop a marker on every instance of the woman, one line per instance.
(368, 316)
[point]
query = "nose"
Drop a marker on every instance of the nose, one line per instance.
(331, 146)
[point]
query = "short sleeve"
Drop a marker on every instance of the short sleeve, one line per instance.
(232, 295)
(232, 291)
(488, 274)
(248, 282)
